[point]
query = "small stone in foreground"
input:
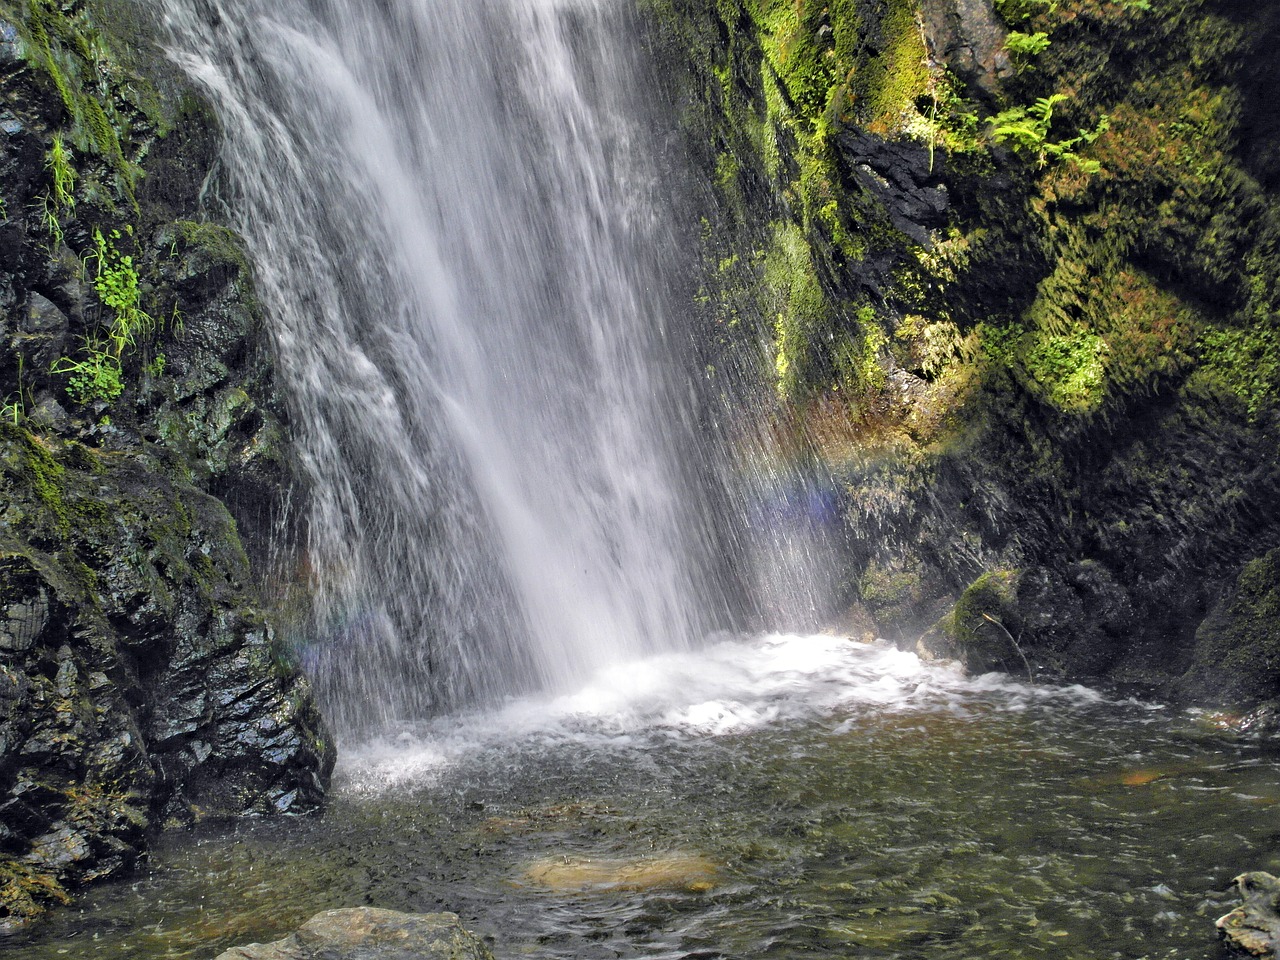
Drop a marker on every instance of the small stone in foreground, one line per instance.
(367, 933)
(1254, 927)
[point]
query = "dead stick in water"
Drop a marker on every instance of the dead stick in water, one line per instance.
(1025, 662)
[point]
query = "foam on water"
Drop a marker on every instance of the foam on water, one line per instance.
(727, 688)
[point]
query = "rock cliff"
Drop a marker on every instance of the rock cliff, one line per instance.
(1009, 272)
(141, 470)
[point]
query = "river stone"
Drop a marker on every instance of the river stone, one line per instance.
(691, 872)
(367, 933)
(1254, 927)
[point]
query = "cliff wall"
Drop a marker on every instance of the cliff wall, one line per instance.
(1010, 272)
(142, 470)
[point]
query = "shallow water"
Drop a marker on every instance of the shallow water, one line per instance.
(785, 797)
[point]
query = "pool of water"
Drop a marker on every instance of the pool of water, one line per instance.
(782, 797)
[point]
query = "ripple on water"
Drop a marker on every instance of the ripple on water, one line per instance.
(784, 797)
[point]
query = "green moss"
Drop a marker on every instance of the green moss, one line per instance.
(1017, 12)
(1244, 364)
(214, 242)
(895, 80)
(43, 474)
(794, 299)
(1238, 646)
(1068, 371)
(982, 628)
(991, 595)
(857, 355)
(890, 592)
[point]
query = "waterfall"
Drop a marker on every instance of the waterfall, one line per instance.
(465, 251)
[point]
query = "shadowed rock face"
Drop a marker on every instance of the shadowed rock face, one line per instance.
(366, 933)
(141, 681)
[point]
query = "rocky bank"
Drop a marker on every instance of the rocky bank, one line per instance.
(142, 470)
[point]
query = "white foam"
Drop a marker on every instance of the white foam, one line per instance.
(727, 688)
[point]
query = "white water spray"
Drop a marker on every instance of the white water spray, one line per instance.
(460, 250)
(466, 254)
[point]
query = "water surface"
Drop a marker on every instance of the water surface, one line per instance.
(782, 797)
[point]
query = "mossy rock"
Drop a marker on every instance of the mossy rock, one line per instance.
(1237, 647)
(981, 630)
(142, 682)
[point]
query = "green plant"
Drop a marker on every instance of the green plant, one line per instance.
(1023, 47)
(11, 410)
(1027, 130)
(116, 283)
(96, 378)
(14, 409)
(64, 175)
(156, 367)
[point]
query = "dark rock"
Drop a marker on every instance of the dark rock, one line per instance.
(142, 681)
(969, 38)
(1237, 646)
(905, 176)
(367, 933)
(1254, 927)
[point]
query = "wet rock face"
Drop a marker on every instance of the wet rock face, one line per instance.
(366, 933)
(142, 682)
(969, 37)
(1060, 369)
(1237, 647)
(903, 178)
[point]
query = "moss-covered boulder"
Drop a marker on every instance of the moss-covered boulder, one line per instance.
(981, 630)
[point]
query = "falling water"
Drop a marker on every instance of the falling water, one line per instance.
(468, 254)
(461, 244)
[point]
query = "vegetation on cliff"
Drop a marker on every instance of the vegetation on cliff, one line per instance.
(140, 680)
(1015, 272)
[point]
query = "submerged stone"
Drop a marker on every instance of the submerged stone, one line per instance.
(368, 933)
(678, 871)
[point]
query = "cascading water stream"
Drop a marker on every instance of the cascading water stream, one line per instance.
(466, 259)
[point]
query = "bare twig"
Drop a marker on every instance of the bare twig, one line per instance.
(1025, 662)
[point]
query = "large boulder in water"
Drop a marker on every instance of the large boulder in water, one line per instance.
(367, 933)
